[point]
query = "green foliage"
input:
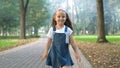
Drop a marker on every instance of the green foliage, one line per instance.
(40, 12)
(37, 15)
(8, 15)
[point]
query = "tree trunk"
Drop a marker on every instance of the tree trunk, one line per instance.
(101, 26)
(23, 10)
(35, 31)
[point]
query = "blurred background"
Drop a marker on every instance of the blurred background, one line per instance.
(83, 14)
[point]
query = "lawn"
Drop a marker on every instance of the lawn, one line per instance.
(92, 38)
(100, 55)
(10, 43)
(7, 42)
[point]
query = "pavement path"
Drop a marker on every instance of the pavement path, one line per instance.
(28, 56)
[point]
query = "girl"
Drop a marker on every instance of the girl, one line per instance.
(60, 36)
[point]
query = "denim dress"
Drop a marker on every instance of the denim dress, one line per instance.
(59, 54)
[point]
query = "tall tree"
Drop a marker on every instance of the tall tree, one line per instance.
(8, 17)
(101, 26)
(37, 18)
(23, 10)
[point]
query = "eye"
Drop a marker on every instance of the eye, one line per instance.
(63, 16)
(58, 16)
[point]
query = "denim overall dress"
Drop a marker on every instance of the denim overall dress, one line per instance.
(59, 54)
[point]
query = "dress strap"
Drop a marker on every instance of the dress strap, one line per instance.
(65, 28)
(54, 28)
(67, 36)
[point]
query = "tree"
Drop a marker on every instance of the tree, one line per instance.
(101, 26)
(23, 10)
(37, 18)
(8, 17)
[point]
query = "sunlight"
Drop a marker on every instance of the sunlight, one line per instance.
(66, 4)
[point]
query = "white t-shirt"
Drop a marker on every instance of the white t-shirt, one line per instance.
(62, 30)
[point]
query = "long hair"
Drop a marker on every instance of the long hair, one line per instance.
(67, 22)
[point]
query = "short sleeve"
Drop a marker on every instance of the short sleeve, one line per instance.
(50, 33)
(70, 31)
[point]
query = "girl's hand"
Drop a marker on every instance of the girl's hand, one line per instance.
(44, 56)
(78, 58)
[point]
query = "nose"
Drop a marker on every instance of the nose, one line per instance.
(61, 18)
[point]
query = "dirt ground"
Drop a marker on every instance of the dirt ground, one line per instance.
(101, 55)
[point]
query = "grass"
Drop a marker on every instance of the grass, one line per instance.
(93, 38)
(100, 55)
(7, 42)
(86, 38)
(13, 41)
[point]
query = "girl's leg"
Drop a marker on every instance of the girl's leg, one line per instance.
(65, 67)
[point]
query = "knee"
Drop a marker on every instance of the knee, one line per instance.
(65, 67)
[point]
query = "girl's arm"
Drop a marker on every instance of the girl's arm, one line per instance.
(48, 45)
(46, 49)
(75, 48)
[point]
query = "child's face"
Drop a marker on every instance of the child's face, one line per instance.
(60, 17)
